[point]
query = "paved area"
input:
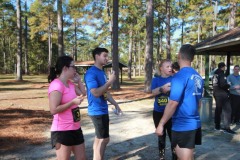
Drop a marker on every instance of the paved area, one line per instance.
(133, 138)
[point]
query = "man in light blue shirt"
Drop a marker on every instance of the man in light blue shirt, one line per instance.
(234, 81)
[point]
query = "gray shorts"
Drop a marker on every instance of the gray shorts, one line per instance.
(101, 125)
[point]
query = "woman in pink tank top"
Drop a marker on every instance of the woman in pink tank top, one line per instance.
(65, 93)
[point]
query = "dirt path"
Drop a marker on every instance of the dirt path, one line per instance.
(133, 138)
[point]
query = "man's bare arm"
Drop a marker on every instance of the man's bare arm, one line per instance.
(97, 92)
(168, 113)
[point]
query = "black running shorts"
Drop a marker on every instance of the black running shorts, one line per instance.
(187, 139)
(67, 138)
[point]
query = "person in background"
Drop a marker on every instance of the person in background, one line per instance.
(98, 95)
(175, 67)
(183, 105)
(221, 96)
(234, 81)
(64, 98)
(160, 89)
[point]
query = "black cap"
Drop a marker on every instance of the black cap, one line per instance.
(221, 64)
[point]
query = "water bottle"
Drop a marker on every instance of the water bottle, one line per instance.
(116, 111)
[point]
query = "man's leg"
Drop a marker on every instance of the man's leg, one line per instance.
(99, 147)
(184, 143)
(184, 153)
(235, 103)
(232, 107)
(238, 111)
(227, 113)
(101, 124)
(218, 112)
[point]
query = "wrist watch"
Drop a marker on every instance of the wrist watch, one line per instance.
(161, 90)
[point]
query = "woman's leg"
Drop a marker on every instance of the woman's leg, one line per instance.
(161, 139)
(79, 152)
(63, 152)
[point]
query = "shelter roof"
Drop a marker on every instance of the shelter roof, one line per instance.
(91, 63)
(84, 63)
(224, 43)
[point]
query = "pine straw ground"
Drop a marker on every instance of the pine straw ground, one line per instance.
(24, 112)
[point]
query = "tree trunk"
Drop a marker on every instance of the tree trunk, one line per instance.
(49, 42)
(199, 60)
(110, 24)
(159, 39)
(168, 25)
(182, 31)
(4, 49)
(60, 28)
(134, 57)
(75, 40)
(215, 9)
(139, 58)
(161, 43)
(19, 42)
(115, 61)
(4, 56)
(130, 54)
(149, 47)
(26, 41)
(232, 19)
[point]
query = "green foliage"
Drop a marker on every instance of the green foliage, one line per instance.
(92, 22)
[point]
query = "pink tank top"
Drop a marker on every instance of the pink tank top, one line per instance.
(64, 121)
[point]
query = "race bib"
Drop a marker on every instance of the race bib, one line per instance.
(76, 114)
(105, 96)
(162, 100)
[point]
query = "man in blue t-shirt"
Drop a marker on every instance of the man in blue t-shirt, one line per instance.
(98, 95)
(186, 91)
(234, 81)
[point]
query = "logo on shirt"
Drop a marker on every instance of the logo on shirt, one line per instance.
(215, 80)
(197, 84)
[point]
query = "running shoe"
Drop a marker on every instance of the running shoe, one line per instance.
(217, 128)
(229, 131)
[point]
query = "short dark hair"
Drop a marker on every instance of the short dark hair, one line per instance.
(187, 52)
(98, 51)
(221, 65)
(236, 66)
(176, 66)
